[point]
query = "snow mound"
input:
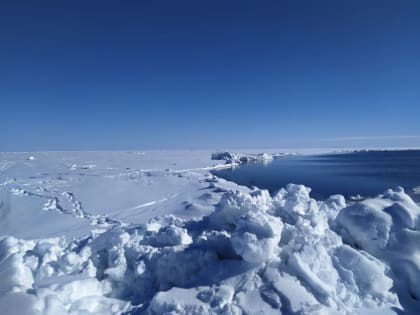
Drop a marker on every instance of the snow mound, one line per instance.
(388, 227)
(255, 254)
(256, 236)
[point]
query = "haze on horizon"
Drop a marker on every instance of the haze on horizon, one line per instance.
(78, 75)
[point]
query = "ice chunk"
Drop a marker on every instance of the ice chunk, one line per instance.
(368, 273)
(256, 236)
(388, 228)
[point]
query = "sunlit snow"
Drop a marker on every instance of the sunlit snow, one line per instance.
(156, 233)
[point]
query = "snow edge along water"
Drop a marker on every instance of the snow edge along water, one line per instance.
(255, 253)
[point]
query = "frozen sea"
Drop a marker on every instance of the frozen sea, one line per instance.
(156, 232)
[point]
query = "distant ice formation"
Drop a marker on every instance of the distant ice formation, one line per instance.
(241, 157)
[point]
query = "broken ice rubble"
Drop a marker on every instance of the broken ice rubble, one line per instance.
(255, 254)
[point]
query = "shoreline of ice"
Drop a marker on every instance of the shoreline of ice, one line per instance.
(201, 245)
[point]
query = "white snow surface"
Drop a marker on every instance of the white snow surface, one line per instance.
(155, 232)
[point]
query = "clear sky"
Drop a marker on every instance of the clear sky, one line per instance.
(77, 74)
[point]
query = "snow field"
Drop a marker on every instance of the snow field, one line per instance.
(247, 252)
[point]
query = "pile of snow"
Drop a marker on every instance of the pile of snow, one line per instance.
(388, 227)
(255, 254)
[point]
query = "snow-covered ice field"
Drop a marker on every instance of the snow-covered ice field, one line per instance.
(155, 232)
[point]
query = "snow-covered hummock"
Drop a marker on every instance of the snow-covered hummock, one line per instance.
(388, 227)
(210, 247)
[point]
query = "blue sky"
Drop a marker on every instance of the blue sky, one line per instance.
(208, 74)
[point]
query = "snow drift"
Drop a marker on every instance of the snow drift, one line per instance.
(388, 227)
(255, 254)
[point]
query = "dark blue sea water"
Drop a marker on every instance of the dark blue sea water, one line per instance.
(365, 173)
